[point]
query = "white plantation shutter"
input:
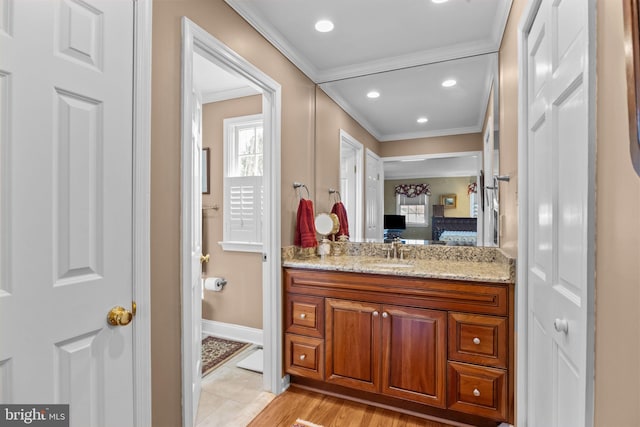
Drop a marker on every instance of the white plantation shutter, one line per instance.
(243, 209)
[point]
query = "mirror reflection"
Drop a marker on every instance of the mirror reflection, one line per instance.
(435, 156)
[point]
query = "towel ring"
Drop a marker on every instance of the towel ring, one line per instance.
(336, 195)
(297, 186)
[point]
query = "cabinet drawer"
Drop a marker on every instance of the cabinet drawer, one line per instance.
(304, 356)
(304, 315)
(478, 339)
(477, 390)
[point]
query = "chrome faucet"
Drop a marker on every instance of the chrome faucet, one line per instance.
(397, 242)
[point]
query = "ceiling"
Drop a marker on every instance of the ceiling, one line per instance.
(432, 167)
(384, 45)
(216, 84)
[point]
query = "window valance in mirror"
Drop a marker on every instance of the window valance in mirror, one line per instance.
(413, 190)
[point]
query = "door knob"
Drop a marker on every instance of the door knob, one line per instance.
(120, 316)
(204, 258)
(561, 325)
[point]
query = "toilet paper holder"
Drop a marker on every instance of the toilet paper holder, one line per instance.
(214, 283)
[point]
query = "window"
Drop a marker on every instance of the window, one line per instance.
(415, 209)
(243, 188)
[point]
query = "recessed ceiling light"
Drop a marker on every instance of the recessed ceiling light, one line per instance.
(422, 120)
(324, 26)
(449, 83)
(373, 94)
(439, 1)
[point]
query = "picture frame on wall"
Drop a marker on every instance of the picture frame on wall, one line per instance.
(449, 201)
(205, 171)
(632, 53)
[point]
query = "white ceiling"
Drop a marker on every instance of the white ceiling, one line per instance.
(409, 93)
(384, 45)
(215, 84)
(433, 167)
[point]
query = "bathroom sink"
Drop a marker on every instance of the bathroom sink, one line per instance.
(390, 264)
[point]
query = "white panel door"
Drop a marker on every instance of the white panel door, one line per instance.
(66, 75)
(348, 189)
(489, 212)
(373, 196)
(557, 267)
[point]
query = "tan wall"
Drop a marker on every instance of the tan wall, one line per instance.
(330, 118)
(508, 103)
(240, 303)
(298, 96)
(617, 385)
(439, 186)
(434, 145)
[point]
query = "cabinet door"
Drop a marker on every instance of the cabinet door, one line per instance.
(352, 343)
(414, 364)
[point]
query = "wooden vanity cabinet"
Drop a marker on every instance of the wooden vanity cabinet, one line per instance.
(397, 351)
(414, 355)
(353, 344)
(433, 342)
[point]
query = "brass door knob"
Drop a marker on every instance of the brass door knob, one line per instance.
(204, 258)
(120, 316)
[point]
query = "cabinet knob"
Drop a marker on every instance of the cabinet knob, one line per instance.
(476, 392)
(476, 340)
(385, 314)
(303, 356)
(303, 315)
(375, 314)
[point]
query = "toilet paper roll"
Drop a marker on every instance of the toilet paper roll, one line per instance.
(214, 284)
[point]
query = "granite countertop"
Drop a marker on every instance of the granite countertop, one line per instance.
(459, 263)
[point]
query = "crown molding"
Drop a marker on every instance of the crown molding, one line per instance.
(414, 59)
(432, 133)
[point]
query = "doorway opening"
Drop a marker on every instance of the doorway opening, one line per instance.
(198, 46)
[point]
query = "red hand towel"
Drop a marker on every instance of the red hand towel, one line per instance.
(340, 211)
(305, 234)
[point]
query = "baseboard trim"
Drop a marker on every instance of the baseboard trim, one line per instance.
(232, 332)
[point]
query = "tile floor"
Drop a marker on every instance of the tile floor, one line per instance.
(231, 396)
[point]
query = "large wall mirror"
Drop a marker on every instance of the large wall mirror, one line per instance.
(437, 132)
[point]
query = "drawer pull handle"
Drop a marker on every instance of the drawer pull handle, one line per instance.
(385, 314)
(476, 340)
(303, 315)
(303, 356)
(476, 392)
(375, 314)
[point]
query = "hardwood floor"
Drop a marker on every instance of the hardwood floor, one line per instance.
(331, 411)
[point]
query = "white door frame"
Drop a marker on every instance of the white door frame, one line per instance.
(522, 329)
(357, 232)
(142, 211)
(194, 37)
